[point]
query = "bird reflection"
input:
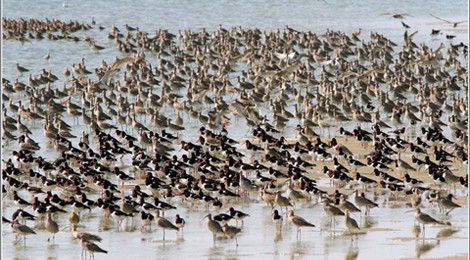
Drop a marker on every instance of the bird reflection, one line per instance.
(368, 222)
(446, 232)
(353, 253)
(416, 230)
(423, 247)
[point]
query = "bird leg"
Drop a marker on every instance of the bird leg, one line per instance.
(449, 211)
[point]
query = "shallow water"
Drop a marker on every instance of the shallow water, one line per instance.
(390, 233)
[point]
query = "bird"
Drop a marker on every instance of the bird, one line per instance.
(163, 206)
(282, 201)
(22, 203)
(22, 230)
(20, 214)
(83, 235)
(446, 203)
(364, 181)
(405, 25)
(344, 204)
(164, 223)
(399, 16)
(118, 214)
(237, 215)
(298, 221)
(214, 226)
(231, 232)
(426, 219)
(277, 219)
(5, 220)
(362, 201)
(21, 69)
(91, 247)
(222, 218)
(350, 223)
(179, 222)
(332, 211)
(147, 219)
(454, 24)
(47, 56)
(51, 226)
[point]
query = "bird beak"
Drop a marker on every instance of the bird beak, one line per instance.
(408, 211)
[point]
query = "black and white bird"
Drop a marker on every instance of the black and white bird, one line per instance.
(237, 215)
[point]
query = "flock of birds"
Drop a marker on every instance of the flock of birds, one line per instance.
(133, 159)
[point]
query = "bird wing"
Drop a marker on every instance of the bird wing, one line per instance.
(299, 221)
(291, 55)
(280, 56)
(441, 19)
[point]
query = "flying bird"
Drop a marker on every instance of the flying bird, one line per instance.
(454, 24)
(399, 16)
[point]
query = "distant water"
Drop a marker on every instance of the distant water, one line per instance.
(304, 15)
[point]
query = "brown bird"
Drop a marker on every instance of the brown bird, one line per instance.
(454, 24)
(231, 232)
(298, 221)
(164, 223)
(91, 247)
(22, 230)
(51, 226)
(214, 226)
(446, 203)
(425, 219)
(350, 223)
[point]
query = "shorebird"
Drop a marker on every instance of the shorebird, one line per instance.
(350, 223)
(118, 214)
(446, 203)
(179, 222)
(362, 201)
(277, 219)
(51, 226)
(399, 16)
(147, 219)
(20, 214)
(298, 221)
(22, 203)
(268, 197)
(425, 219)
(237, 215)
(22, 230)
(91, 247)
(346, 205)
(20, 68)
(231, 232)
(214, 226)
(454, 24)
(164, 223)
(163, 206)
(364, 181)
(281, 201)
(405, 25)
(83, 235)
(332, 211)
